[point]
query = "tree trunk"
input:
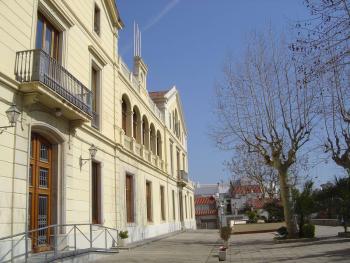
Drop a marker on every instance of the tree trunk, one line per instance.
(287, 205)
(301, 223)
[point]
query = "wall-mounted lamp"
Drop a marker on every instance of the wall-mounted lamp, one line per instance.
(12, 114)
(92, 152)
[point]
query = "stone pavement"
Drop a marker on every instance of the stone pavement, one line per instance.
(202, 246)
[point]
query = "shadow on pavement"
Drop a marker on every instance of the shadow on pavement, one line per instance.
(321, 241)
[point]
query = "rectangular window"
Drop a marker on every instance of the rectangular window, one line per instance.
(129, 191)
(149, 201)
(181, 206)
(95, 89)
(162, 203)
(191, 207)
(178, 163)
(47, 37)
(171, 158)
(173, 197)
(170, 120)
(184, 162)
(97, 22)
(186, 206)
(95, 193)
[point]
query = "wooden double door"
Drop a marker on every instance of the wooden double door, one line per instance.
(40, 181)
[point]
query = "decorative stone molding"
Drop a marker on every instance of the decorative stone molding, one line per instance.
(31, 98)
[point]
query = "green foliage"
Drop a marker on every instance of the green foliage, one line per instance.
(252, 217)
(308, 231)
(304, 204)
(335, 201)
(275, 210)
(325, 203)
(342, 196)
(123, 234)
(245, 209)
(225, 233)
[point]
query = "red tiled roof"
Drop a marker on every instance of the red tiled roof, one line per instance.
(206, 212)
(256, 203)
(204, 200)
(246, 189)
(259, 203)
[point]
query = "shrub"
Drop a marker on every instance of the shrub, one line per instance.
(308, 230)
(225, 233)
(123, 234)
(252, 217)
(275, 211)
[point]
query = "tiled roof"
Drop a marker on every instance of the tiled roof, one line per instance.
(256, 203)
(206, 212)
(259, 203)
(245, 189)
(204, 200)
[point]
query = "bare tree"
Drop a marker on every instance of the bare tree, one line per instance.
(265, 103)
(324, 38)
(336, 105)
(324, 42)
(251, 166)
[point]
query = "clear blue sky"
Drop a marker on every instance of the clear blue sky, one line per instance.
(184, 43)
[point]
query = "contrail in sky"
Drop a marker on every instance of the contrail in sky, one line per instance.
(154, 20)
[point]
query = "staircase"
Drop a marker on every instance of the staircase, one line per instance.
(63, 242)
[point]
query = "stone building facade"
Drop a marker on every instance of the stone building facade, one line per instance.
(60, 66)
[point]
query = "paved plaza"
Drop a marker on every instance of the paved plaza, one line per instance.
(202, 246)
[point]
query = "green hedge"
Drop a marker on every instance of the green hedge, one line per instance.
(308, 230)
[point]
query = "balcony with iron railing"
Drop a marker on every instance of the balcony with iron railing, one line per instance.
(52, 85)
(182, 178)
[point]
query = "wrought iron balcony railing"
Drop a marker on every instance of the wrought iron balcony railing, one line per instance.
(183, 176)
(37, 66)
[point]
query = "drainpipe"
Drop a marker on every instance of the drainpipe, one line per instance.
(27, 187)
(13, 185)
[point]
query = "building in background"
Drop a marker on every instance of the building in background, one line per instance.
(91, 146)
(210, 199)
(206, 212)
(232, 200)
(245, 194)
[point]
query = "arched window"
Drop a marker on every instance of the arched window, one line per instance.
(145, 132)
(153, 139)
(134, 125)
(124, 115)
(159, 144)
(176, 124)
(174, 121)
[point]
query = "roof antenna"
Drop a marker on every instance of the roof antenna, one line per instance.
(137, 40)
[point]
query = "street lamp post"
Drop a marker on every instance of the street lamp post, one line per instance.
(220, 206)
